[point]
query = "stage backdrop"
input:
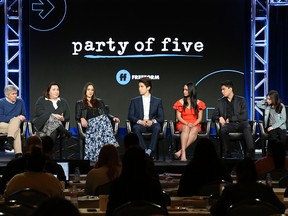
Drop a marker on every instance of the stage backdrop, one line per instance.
(113, 45)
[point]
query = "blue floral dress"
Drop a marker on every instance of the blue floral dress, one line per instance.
(98, 133)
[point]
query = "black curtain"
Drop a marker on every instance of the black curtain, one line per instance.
(278, 51)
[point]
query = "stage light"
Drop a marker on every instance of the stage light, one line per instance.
(279, 2)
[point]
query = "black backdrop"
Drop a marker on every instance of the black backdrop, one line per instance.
(50, 59)
(223, 27)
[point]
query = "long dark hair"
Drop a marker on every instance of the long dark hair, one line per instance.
(276, 101)
(193, 97)
(93, 101)
(109, 156)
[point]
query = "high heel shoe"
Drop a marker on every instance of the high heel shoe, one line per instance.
(176, 157)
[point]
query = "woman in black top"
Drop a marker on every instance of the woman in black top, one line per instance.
(95, 119)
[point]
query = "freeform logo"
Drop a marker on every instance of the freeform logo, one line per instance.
(123, 77)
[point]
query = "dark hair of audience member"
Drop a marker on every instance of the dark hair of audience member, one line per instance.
(47, 145)
(109, 157)
(278, 152)
(131, 140)
(32, 141)
(56, 206)
(134, 162)
(36, 161)
(246, 171)
(205, 149)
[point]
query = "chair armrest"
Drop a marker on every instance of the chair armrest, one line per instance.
(128, 126)
(31, 130)
(164, 128)
(24, 128)
(116, 128)
(253, 126)
(217, 126)
(81, 134)
(263, 133)
(208, 127)
(171, 125)
(67, 125)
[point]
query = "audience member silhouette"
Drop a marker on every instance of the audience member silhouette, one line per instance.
(51, 165)
(132, 140)
(246, 187)
(18, 165)
(275, 160)
(106, 169)
(56, 206)
(134, 183)
(205, 168)
(35, 177)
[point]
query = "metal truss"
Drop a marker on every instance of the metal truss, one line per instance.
(259, 53)
(13, 43)
(259, 50)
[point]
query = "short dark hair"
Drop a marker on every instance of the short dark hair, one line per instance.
(227, 83)
(130, 140)
(46, 93)
(47, 144)
(146, 81)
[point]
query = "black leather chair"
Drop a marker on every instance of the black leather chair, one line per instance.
(14, 208)
(103, 189)
(139, 208)
(162, 136)
(252, 207)
(82, 135)
(32, 131)
(264, 136)
(238, 136)
(175, 135)
(283, 182)
(28, 196)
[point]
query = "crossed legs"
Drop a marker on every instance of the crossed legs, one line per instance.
(13, 131)
(188, 136)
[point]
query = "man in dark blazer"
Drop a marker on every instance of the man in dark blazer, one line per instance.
(232, 114)
(146, 115)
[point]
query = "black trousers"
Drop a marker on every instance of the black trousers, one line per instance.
(232, 127)
(277, 135)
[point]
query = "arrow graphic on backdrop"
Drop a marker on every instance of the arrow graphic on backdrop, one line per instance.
(45, 7)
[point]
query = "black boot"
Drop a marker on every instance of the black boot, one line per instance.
(18, 155)
(251, 153)
(63, 132)
(8, 145)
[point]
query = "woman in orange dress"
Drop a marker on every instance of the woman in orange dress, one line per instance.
(189, 113)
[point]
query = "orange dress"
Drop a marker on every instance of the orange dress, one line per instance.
(188, 114)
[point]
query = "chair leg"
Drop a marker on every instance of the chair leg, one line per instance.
(60, 148)
(170, 149)
(164, 149)
(241, 150)
(264, 147)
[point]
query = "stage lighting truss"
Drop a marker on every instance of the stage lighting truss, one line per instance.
(13, 43)
(279, 2)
